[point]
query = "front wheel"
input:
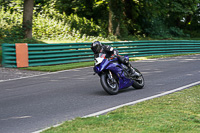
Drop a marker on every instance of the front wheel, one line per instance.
(139, 81)
(110, 85)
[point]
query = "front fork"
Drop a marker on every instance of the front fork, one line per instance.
(110, 76)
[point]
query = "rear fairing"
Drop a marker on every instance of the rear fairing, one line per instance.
(115, 68)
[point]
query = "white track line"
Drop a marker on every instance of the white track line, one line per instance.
(141, 100)
(48, 73)
(132, 103)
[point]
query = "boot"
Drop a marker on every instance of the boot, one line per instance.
(132, 71)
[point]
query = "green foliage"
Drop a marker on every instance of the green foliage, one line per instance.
(177, 32)
(81, 7)
(158, 29)
(10, 25)
(192, 27)
(193, 33)
(88, 19)
(48, 24)
(90, 16)
(164, 19)
(84, 25)
(81, 24)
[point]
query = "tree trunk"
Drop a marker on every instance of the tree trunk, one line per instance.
(110, 25)
(117, 31)
(115, 16)
(27, 18)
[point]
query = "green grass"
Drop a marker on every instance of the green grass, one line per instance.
(54, 68)
(60, 67)
(160, 56)
(175, 113)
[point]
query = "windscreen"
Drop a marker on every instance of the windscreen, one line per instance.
(102, 55)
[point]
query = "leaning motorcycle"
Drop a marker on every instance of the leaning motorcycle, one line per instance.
(115, 76)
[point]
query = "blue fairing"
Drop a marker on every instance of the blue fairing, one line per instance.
(99, 68)
(116, 68)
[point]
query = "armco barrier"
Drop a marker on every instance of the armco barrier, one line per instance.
(51, 54)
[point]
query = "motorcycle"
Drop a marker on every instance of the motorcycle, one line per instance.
(115, 76)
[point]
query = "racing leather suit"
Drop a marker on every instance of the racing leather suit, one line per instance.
(111, 53)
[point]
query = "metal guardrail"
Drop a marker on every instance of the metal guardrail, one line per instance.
(51, 54)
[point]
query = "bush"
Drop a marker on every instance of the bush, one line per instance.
(84, 25)
(47, 26)
(10, 25)
(177, 32)
(193, 33)
(159, 29)
(49, 23)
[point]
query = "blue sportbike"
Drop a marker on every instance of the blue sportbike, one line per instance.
(115, 76)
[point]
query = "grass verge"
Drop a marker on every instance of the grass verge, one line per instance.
(59, 67)
(54, 68)
(177, 112)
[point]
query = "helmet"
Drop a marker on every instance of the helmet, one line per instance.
(96, 47)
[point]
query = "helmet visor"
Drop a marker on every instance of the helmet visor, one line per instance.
(96, 47)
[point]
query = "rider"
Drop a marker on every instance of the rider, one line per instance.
(97, 48)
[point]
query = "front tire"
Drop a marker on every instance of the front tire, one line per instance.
(109, 85)
(139, 81)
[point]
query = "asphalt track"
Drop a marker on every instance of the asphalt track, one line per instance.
(34, 103)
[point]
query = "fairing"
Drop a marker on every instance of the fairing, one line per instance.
(117, 69)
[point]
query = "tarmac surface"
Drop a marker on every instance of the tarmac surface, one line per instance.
(34, 103)
(13, 73)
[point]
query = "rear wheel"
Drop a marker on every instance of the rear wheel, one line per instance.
(138, 81)
(109, 84)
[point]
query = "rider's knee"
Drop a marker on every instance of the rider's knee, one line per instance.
(122, 59)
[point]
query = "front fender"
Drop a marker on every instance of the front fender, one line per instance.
(106, 64)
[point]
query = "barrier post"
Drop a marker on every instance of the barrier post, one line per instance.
(21, 54)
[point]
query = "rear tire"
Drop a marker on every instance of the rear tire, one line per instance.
(139, 81)
(111, 87)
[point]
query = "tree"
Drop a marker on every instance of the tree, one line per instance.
(115, 19)
(28, 17)
(110, 25)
